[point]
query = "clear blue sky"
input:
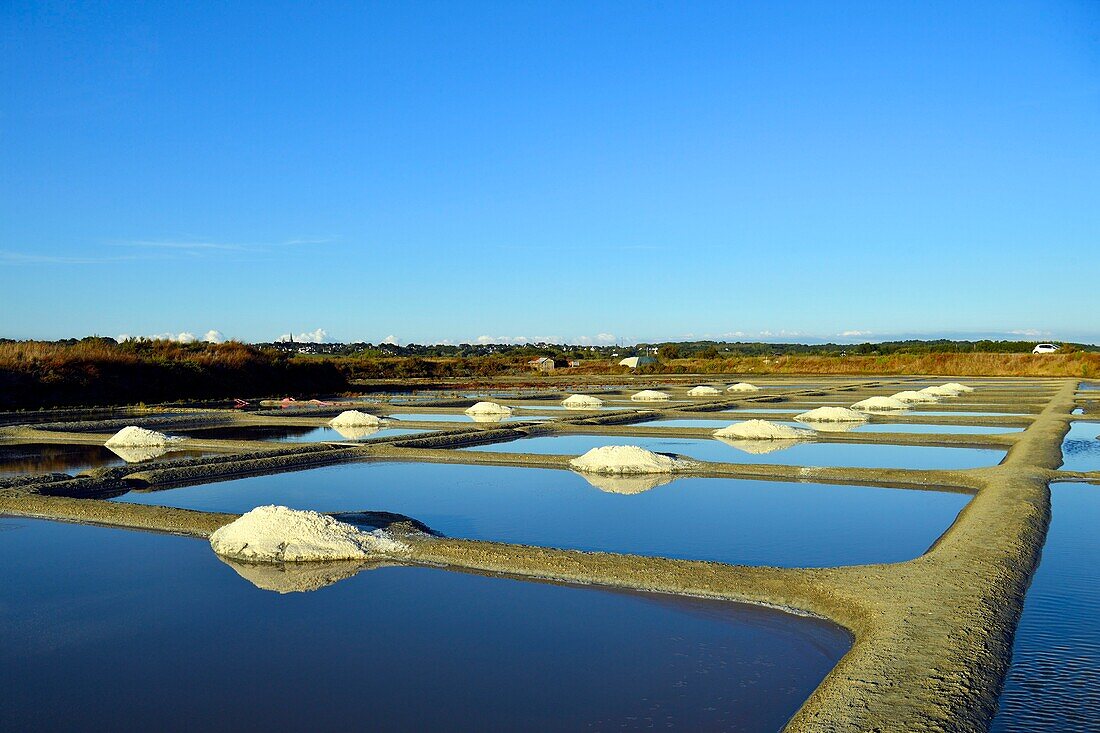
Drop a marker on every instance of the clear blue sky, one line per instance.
(439, 171)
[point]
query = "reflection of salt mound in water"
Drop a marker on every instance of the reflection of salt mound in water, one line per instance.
(623, 459)
(487, 417)
(823, 426)
(759, 447)
(742, 387)
(621, 484)
(944, 390)
(356, 432)
(132, 436)
(134, 454)
(914, 397)
(649, 395)
(880, 403)
(761, 430)
(279, 534)
(702, 391)
(488, 408)
(355, 419)
(581, 402)
(831, 414)
(296, 577)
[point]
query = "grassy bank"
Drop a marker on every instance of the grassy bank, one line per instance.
(35, 374)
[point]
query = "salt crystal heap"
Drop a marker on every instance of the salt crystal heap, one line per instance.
(762, 430)
(742, 387)
(279, 534)
(581, 402)
(649, 395)
(132, 436)
(624, 460)
(951, 389)
(915, 397)
(488, 408)
(831, 414)
(355, 419)
(702, 391)
(880, 403)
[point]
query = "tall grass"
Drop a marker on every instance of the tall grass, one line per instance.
(99, 372)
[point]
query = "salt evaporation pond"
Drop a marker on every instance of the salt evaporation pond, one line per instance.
(1088, 386)
(101, 625)
(802, 453)
(288, 433)
(865, 427)
(728, 520)
(1054, 681)
(1081, 447)
(463, 417)
(34, 458)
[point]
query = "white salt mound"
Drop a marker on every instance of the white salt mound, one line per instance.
(279, 534)
(702, 391)
(132, 436)
(488, 408)
(581, 402)
(623, 459)
(762, 430)
(939, 391)
(880, 403)
(958, 387)
(911, 396)
(742, 387)
(649, 395)
(831, 414)
(487, 416)
(355, 419)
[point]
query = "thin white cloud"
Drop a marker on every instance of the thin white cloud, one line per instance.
(853, 334)
(1029, 332)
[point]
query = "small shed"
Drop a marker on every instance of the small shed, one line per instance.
(542, 364)
(637, 361)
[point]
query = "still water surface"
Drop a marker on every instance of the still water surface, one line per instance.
(103, 628)
(790, 453)
(1081, 447)
(729, 520)
(35, 458)
(1054, 681)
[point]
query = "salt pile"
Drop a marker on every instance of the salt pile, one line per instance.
(487, 416)
(355, 419)
(831, 414)
(762, 430)
(742, 387)
(279, 534)
(488, 408)
(132, 436)
(880, 403)
(581, 402)
(138, 454)
(759, 447)
(635, 484)
(356, 432)
(623, 459)
(911, 396)
(649, 395)
(702, 391)
(951, 389)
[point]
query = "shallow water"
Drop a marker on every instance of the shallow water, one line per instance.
(801, 453)
(101, 625)
(1081, 447)
(729, 520)
(462, 417)
(1054, 681)
(849, 427)
(1088, 386)
(34, 458)
(293, 433)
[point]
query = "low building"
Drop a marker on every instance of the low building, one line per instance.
(637, 361)
(542, 364)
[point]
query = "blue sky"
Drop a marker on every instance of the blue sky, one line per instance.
(568, 171)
